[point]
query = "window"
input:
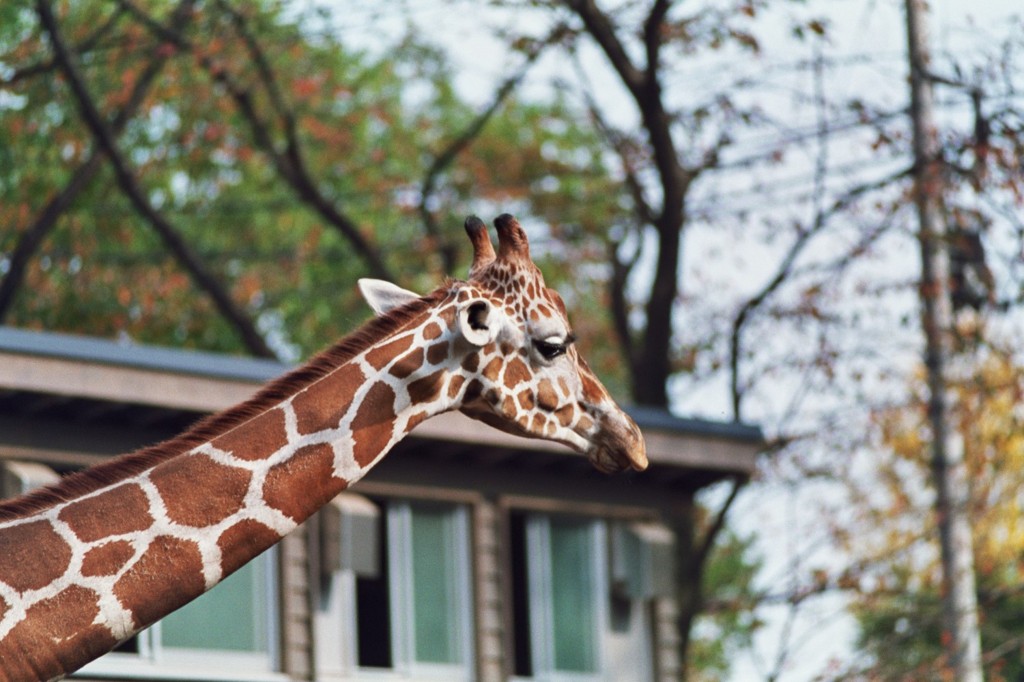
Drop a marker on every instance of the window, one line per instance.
(581, 603)
(233, 617)
(432, 580)
(228, 633)
(559, 596)
(412, 616)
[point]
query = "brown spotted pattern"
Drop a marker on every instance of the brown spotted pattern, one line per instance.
(242, 541)
(262, 436)
(67, 617)
(144, 589)
(324, 403)
(385, 353)
(86, 572)
(152, 542)
(408, 363)
(32, 556)
(523, 392)
(373, 424)
(107, 559)
(120, 510)
(304, 478)
(198, 491)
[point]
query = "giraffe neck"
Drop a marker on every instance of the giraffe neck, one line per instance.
(82, 575)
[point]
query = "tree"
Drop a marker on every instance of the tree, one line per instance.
(679, 145)
(901, 618)
(823, 312)
(290, 165)
(204, 174)
(727, 622)
(155, 152)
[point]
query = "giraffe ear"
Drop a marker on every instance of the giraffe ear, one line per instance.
(383, 296)
(477, 322)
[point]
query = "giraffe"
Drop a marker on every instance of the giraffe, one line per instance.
(108, 551)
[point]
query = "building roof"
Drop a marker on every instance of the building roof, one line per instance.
(60, 375)
(127, 354)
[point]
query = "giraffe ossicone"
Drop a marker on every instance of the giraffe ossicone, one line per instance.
(91, 561)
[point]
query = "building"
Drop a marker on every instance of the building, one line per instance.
(467, 554)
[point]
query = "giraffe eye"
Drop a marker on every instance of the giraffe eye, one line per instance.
(552, 347)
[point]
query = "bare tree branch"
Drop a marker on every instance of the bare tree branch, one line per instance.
(649, 383)
(448, 248)
(601, 29)
(718, 523)
(617, 286)
(621, 268)
(784, 272)
(645, 86)
(252, 339)
(294, 161)
(618, 142)
(29, 240)
(692, 560)
(653, 37)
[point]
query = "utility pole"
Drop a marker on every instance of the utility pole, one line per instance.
(960, 607)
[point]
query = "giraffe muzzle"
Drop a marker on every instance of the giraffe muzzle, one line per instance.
(618, 446)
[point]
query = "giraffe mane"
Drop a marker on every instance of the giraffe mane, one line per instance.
(208, 428)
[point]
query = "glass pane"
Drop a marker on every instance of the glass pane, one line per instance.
(373, 610)
(232, 616)
(521, 616)
(572, 579)
(433, 586)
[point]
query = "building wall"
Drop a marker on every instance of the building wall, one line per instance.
(490, 612)
(71, 412)
(296, 576)
(490, 497)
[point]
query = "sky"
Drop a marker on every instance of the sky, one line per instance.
(869, 37)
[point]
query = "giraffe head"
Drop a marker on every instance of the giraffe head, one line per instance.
(512, 347)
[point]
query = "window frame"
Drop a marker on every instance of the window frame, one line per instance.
(540, 604)
(154, 660)
(336, 621)
(402, 603)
